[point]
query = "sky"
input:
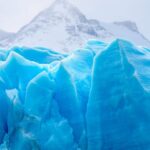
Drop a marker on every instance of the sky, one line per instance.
(16, 13)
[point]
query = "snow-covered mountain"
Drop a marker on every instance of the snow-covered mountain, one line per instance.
(63, 27)
(5, 35)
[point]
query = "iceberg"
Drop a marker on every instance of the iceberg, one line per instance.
(94, 98)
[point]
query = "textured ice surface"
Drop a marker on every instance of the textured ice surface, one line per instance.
(95, 98)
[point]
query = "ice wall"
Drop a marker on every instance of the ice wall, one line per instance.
(95, 98)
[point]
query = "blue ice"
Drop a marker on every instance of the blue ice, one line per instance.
(94, 98)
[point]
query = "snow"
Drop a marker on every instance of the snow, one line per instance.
(5, 35)
(63, 27)
(127, 31)
(93, 98)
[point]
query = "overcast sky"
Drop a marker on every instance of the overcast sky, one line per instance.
(16, 13)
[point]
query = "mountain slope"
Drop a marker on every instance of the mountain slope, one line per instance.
(63, 27)
(5, 35)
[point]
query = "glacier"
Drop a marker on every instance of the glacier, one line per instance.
(93, 98)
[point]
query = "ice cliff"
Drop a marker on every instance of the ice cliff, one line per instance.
(95, 98)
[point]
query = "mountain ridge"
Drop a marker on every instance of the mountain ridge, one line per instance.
(63, 27)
